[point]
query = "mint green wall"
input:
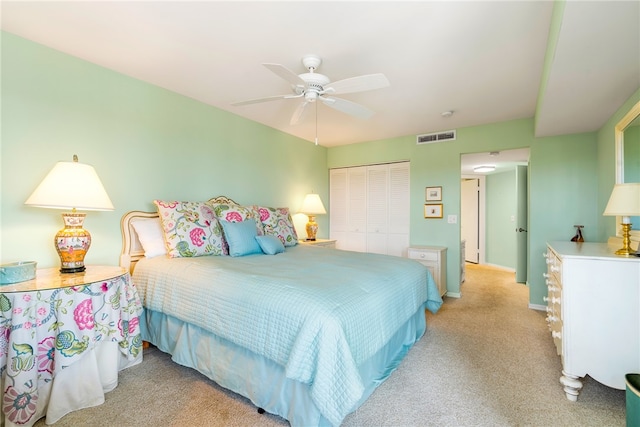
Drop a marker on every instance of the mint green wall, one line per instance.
(562, 186)
(562, 193)
(500, 237)
(145, 143)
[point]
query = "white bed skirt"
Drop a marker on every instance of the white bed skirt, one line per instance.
(81, 385)
(261, 380)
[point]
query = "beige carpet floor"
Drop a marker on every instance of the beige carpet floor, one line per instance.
(485, 360)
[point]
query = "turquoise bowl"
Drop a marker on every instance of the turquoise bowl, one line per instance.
(15, 272)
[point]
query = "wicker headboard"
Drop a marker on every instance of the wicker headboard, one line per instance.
(132, 250)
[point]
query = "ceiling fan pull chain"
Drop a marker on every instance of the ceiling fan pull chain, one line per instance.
(316, 123)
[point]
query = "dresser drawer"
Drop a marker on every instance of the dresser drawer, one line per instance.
(422, 255)
(554, 267)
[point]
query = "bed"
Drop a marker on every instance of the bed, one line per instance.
(307, 334)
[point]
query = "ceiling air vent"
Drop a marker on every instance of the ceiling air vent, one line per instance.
(429, 138)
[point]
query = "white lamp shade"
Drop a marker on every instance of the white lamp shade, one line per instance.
(312, 205)
(71, 185)
(624, 200)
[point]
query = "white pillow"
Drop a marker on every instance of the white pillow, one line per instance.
(151, 236)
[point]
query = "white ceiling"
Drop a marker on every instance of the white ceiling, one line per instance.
(482, 60)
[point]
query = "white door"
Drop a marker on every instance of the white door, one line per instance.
(469, 218)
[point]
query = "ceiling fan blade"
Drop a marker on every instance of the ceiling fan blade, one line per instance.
(265, 99)
(358, 84)
(286, 74)
(298, 113)
(348, 107)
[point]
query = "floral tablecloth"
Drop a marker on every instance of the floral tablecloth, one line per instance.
(45, 331)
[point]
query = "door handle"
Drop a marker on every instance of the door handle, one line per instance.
(521, 230)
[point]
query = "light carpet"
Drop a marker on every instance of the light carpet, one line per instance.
(485, 360)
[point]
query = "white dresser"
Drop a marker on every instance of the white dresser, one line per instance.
(593, 312)
(435, 259)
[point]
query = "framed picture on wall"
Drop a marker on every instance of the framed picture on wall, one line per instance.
(433, 211)
(433, 194)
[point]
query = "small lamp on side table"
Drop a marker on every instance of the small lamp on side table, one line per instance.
(624, 202)
(312, 206)
(71, 185)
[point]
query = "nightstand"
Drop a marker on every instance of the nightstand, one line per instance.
(435, 259)
(326, 243)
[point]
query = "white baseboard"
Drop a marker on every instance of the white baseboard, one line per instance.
(501, 267)
(538, 307)
(453, 294)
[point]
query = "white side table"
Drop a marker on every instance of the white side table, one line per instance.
(327, 243)
(435, 259)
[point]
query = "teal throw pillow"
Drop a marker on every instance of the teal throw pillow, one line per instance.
(241, 237)
(270, 245)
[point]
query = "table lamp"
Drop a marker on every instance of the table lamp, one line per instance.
(624, 202)
(71, 185)
(312, 206)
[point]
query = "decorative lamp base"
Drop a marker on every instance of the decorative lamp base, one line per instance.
(626, 250)
(72, 243)
(312, 228)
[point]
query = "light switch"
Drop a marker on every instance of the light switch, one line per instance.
(452, 219)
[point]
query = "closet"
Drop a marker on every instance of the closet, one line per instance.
(369, 208)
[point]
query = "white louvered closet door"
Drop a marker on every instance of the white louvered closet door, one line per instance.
(356, 239)
(369, 208)
(338, 203)
(377, 208)
(399, 202)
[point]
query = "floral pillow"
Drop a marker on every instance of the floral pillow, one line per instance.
(235, 213)
(278, 222)
(191, 229)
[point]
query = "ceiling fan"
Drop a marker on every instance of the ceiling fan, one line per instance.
(312, 87)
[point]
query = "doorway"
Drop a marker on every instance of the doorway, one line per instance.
(494, 208)
(472, 218)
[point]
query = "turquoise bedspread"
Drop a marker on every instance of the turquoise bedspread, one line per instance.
(317, 312)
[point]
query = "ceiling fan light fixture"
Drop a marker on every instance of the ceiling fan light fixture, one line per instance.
(311, 96)
(484, 168)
